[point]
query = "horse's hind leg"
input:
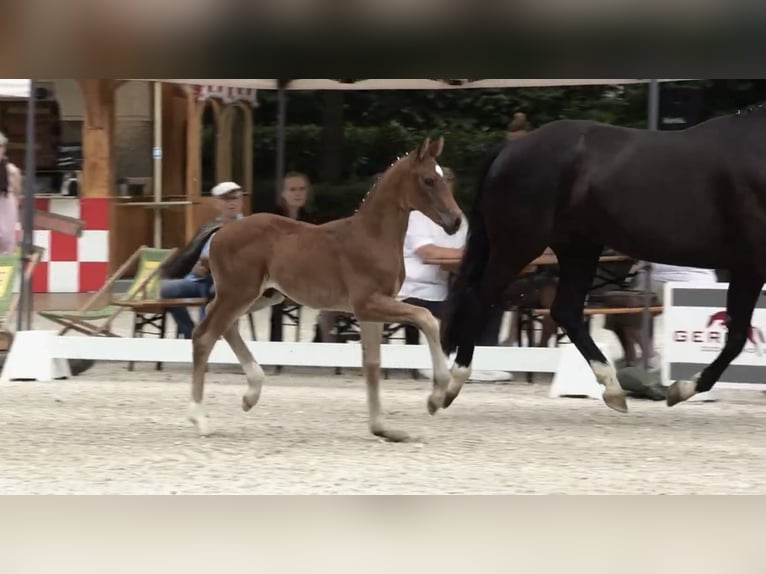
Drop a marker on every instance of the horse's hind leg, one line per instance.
(253, 371)
(740, 301)
(371, 335)
(218, 318)
(577, 265)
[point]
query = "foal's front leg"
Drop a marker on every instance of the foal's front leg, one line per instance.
(379, 308)
(371, 336)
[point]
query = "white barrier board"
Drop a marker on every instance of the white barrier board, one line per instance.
(694, 332)
(45, 347)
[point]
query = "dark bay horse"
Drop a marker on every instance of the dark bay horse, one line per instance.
(694, 197)
(353, 265)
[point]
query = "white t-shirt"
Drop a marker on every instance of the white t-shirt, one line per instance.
(425, 281)
(666, 273)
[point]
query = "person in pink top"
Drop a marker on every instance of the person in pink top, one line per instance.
(10, 190)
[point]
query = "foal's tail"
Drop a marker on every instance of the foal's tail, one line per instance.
(463, 310)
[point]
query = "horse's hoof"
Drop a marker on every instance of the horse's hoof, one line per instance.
(203, 427)
(616, 400)
(448, 399)
(433, 405)
(680, 391)
(246, 404)
(392, 435)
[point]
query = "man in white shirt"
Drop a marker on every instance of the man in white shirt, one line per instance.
(662, 274)
(427, 284)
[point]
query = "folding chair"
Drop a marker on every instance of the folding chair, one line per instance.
(94, 320)
(9, 272)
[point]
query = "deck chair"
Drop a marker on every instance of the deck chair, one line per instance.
(94, 320)
(9, 272)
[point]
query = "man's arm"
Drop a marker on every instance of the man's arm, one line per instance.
(202, 267)
(431, 251)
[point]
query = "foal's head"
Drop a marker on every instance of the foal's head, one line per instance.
(426, 190)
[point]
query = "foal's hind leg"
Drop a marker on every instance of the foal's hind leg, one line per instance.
(371, 334)
(222, 313)
(253, 371)
(577, 268)
(740, 301)
(217, 318)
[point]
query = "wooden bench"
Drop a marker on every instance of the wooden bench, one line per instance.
(150, 316)
(588, 312)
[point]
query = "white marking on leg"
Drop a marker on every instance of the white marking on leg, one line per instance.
(613, 395)
(606, 375)
(687, 389)
(255, 377)
(460, 376)
(198, 416)
(442, 375)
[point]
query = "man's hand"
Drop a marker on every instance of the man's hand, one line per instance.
(202, 267)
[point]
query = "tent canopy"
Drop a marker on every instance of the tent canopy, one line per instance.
(14, 88)
(399, 84)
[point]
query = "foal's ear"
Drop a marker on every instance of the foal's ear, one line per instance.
(424, 149)
(435, 149)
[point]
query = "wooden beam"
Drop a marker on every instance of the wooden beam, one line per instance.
(56, 222)
(98, 173)
(193, 159)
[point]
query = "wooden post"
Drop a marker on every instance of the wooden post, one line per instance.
(97, 189)
(193, 159)
(98, 174)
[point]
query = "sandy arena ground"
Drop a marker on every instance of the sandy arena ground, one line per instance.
(111, 431)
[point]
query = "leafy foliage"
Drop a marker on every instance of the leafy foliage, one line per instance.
(381, 125)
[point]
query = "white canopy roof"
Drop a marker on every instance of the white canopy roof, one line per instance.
(14, 88)
(398, 84)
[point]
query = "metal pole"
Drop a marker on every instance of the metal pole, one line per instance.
(24, 315)
(654, 115)
(157, 155)
(281, 121)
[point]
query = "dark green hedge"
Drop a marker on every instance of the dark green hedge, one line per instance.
(367, 151)
(330, 202)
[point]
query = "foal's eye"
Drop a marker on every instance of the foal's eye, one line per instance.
(429, 181)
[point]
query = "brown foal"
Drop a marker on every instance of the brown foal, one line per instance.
(350, 265)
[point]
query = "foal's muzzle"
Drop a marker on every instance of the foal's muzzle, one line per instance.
(451, 223)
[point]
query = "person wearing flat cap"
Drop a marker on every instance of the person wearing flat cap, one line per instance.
(187, 274)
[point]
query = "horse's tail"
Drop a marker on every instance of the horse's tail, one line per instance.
(463, 310)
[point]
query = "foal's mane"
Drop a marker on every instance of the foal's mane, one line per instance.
(375, 184)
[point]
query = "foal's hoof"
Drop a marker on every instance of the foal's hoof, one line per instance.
(680, 391)
(203, 426)
(434, 405)
(616, 400)
(247, 403)
(392, 435)
(449, 399)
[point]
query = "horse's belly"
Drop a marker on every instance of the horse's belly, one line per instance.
(321, 295)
